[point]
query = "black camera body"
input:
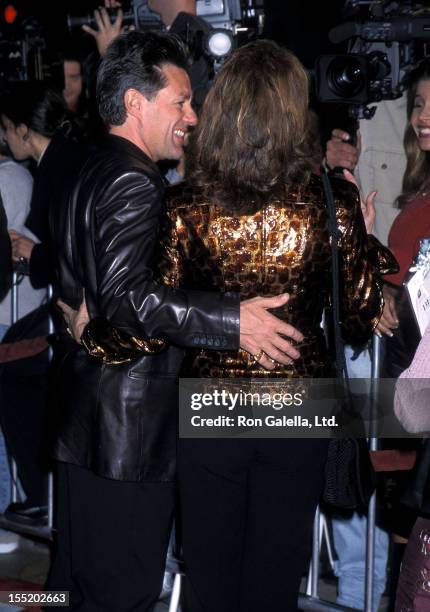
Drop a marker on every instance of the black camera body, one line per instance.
(385, 49)
(135, 13)
(219, 27)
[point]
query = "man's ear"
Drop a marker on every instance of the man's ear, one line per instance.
(134, 102)
(23, 131)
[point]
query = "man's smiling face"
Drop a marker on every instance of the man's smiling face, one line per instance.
(167, 118)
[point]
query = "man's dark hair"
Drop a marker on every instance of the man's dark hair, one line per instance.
(34, 104)
(135, 60)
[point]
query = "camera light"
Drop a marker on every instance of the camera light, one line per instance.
(220, 43)
(10, 14)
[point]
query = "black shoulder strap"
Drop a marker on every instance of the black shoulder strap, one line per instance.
(334, 235)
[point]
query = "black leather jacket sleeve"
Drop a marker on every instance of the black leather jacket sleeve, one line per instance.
(126, 234)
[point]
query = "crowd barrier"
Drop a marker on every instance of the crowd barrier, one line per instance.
(309, 600)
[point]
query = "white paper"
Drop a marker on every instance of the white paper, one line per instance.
(419, 293)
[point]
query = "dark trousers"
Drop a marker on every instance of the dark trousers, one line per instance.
(112, 541)
(247, 513)
(24, 399)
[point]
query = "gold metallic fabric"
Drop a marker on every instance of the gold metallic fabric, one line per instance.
(282, 248)
(108, 344)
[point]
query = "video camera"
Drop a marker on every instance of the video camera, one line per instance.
(385, 46)
(229, 20)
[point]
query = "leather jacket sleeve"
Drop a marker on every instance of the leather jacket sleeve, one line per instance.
(363, 261)
(126, 222)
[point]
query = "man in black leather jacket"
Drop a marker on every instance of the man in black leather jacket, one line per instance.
(117, 440)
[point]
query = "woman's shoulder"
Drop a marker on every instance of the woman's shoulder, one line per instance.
(185, 195)
(312, 191)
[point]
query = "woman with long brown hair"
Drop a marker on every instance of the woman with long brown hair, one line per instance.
(410, 226)
(252, 219)
(413, 222)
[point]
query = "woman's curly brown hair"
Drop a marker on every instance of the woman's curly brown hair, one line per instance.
(251, 139)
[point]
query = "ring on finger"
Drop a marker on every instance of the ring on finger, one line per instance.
(256, 358)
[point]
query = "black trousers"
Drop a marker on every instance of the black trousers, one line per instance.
(247, 513)
(112, 541)
(24, 400)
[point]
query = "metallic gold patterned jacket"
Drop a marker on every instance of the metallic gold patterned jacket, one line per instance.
(284, 247)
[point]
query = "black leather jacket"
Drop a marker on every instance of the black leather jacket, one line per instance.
(121, 420)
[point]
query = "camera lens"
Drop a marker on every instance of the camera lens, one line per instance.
(345, 76)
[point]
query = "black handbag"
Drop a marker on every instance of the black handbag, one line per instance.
(350, 479)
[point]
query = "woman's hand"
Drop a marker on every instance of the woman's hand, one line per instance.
(367, 207)
(389, 320)
(76, 320)
(21, 245)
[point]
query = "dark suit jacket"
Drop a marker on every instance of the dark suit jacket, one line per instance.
(5, 254)
(54, 178)
(121, 420)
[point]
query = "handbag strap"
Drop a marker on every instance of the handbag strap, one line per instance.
(334, 235)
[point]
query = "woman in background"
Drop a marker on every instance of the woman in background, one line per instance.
(409, 228)
(36, 126)
(413, 222)
(411, 225)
